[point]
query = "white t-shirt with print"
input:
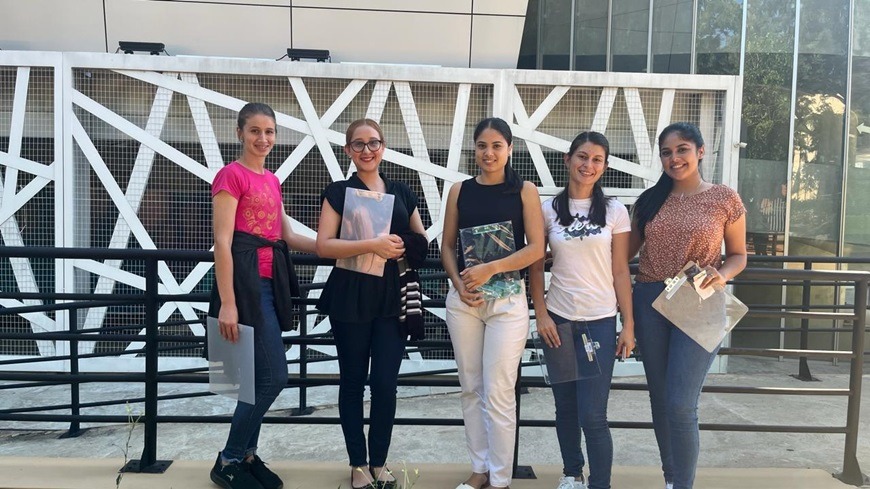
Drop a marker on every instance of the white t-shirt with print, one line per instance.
(581, 285)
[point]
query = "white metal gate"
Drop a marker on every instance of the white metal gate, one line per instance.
(118, 151)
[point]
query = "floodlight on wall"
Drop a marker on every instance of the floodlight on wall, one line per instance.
(296, 54)
(130, 47)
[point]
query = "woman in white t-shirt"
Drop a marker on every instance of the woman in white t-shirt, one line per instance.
(588, 236)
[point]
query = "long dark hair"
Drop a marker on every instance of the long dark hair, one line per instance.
(650, 201)
(598, 209)
(511, 178)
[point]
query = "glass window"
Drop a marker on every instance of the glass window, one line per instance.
(630, 35)
(767, 105)
(817, 174)
(766, 128)
(862, 29)
(857, 220)
(590, 35)
(555, 34)
(672, 36)
(528, 59)
(717, 46)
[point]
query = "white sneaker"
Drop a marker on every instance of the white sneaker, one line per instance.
(568, 482)
(669, 485)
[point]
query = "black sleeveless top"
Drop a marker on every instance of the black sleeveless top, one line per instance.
(487, 204)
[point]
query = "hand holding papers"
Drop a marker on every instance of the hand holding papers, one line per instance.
(486, 243)
(705, 315)
(366, 215)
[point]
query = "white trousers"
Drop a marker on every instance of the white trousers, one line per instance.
(488, 343)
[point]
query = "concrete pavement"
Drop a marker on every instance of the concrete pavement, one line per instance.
(441, 449)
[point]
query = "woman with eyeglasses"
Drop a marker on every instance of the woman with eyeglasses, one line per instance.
(364, 309)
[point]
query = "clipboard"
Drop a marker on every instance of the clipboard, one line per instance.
(705, 316)
(565, 363)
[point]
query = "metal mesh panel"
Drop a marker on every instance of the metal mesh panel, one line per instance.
(27, 196)
(417, 120)
(147, 144)
(629, 117)
(172, 204)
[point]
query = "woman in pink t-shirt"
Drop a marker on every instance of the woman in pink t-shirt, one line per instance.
(247, 207)
(681, 218)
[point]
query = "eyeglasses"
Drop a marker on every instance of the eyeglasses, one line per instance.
(373, 145)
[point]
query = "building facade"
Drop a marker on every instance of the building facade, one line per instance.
(803, 132)
(805, 65)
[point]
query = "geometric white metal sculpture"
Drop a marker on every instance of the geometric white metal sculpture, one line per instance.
(178, 115)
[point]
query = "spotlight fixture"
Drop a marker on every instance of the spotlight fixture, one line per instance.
(319, 55)
(130, 47)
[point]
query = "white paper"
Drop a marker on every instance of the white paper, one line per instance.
(231, 365)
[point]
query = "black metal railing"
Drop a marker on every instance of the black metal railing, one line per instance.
(156, 343)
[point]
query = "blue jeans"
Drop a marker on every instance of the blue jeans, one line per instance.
(270, 378)
(381, 341)
(583, 404)
(675, 368)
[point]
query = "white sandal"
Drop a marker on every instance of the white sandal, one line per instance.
(468, 486)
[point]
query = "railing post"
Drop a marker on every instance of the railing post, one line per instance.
(74, 386)
(303, 408)
(851, 470)
(803, 367)
(520, 471)
(148, 461)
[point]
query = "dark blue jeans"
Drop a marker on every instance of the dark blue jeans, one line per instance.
(675, 368)
(270, 377)
(583, 404)
(381, 343)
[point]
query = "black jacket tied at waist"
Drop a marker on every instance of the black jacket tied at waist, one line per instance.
(246, 281)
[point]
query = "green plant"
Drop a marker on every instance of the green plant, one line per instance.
(132, 422)
(407, 481)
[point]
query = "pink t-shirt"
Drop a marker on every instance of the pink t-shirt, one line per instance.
(259, 210)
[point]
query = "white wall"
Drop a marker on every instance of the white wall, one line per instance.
(456, 33)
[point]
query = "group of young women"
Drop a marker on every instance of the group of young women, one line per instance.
(591, 238)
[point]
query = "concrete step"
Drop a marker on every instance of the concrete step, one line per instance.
(87, 473)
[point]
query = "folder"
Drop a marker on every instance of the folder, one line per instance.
(231, 365)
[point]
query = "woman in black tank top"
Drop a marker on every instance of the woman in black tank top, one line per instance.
(489, 325)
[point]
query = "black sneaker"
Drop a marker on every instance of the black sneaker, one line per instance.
(267, 478)
(233, 476)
